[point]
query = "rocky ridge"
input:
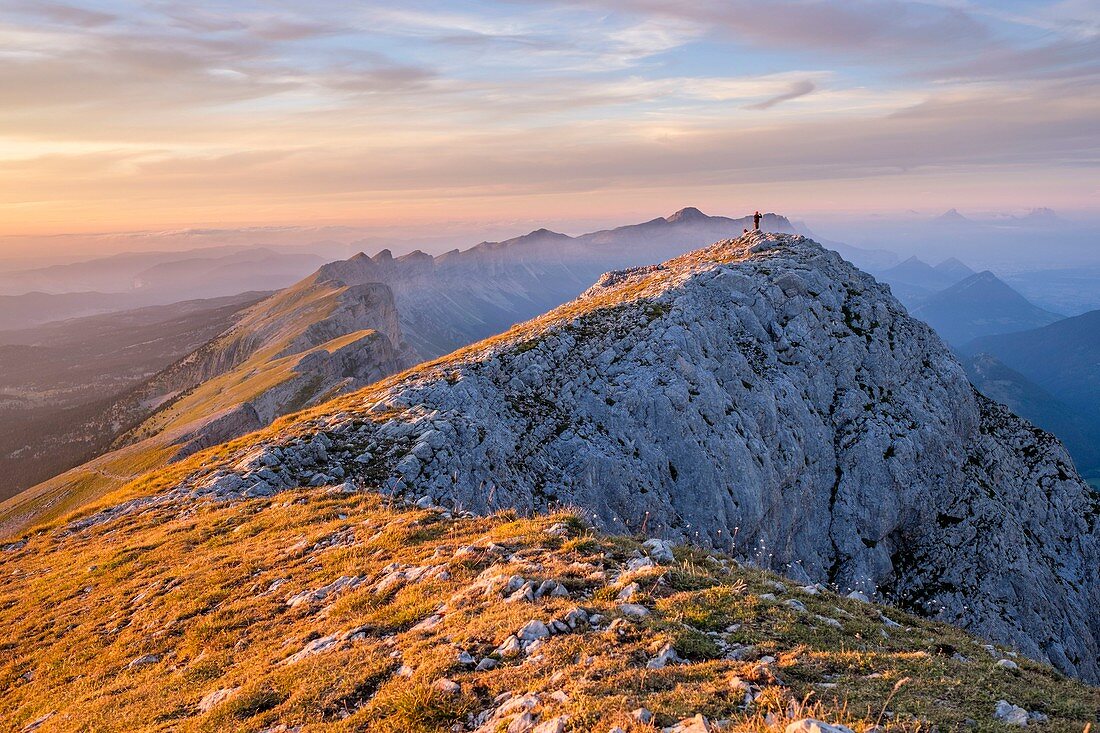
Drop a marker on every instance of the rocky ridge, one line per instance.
(761, 396)
(462, 296)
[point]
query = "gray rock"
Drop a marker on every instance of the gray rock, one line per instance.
(633, 610)
(660, 551)
(447, 686)
(697, 724)
(533, 629)
(1011, 714)
(666, 656)
(554, 725)
(143, 661)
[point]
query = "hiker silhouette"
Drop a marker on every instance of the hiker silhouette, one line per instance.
(756, 220)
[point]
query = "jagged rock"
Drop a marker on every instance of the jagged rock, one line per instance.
(1007, 664)
(533, 630)
(341, 584)
(1011, 714)
(510, 648)
(554, 725)
(660, 551)
(667, 655)
(627, 592)
(316, 646)
(697, 724)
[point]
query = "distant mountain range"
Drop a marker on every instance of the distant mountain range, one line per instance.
(461, 296)
(136, 279)
(962, 304)
(919, 273)
(176, 271)
(980, 305)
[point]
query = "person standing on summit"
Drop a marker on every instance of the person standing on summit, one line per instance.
(756, 221)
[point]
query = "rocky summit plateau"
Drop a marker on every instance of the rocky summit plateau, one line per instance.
(760, 396)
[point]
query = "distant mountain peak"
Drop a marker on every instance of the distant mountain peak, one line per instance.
(952, 215)
(543, 232)
(688, 213)
(954, 269)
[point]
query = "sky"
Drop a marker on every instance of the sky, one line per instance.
(126, 115)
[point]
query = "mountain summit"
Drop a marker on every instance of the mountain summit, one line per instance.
(760, 396)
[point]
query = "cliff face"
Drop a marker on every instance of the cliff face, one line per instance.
(761, 396)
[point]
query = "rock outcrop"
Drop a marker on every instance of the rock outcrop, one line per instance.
(760, 396)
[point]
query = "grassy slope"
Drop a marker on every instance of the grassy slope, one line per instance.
(190, 585)
(282, 318)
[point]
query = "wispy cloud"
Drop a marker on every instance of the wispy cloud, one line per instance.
(246, 109)
(798, 89)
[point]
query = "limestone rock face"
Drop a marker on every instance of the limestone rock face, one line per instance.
(760, 395)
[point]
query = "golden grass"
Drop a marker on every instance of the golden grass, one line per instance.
(190, 585)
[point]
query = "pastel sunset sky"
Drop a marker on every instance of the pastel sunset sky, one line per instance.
(130, 114)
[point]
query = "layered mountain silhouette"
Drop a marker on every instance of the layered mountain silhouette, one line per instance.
(980, 305)
(924, 277)
(761, 396)
(459, 297)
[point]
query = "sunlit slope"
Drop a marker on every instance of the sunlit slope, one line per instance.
(347, 612)
(299, 347)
